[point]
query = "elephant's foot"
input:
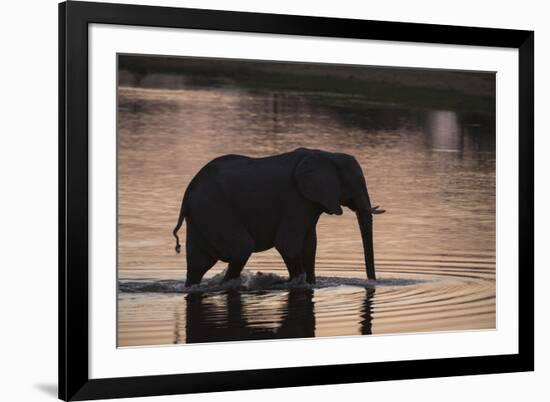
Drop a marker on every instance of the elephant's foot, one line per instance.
(299, 279)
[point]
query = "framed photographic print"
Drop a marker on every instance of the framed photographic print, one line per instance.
(258, 200)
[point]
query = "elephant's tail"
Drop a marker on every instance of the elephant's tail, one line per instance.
(178, 226)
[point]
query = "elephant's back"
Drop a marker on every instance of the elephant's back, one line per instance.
(228, 159)
(212, 169)
(206, 183)
(252, 185)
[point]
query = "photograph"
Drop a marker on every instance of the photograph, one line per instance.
(269, 199)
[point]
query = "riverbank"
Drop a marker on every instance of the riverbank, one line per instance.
(417, 88)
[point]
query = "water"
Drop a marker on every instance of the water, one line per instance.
(432, 170)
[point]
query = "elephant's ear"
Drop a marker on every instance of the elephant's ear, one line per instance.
(318, 181)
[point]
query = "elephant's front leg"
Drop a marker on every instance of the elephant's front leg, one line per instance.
(296, 241)
(289, 242)
(294, 265)
(308, 255)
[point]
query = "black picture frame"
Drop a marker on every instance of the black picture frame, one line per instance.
(74, 18)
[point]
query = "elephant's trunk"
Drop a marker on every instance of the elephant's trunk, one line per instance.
(364, 218)
(364, 212)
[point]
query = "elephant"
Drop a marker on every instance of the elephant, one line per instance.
(237, 205)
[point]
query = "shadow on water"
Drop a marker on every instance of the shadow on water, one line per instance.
(206, 323)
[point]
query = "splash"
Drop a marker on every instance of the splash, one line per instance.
(250, 281)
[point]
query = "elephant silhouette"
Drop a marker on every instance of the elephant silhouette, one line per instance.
(237, 205)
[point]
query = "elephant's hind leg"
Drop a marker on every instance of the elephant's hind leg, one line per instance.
(198, 263)
(234, 270)
(199, 259)
(222, 229)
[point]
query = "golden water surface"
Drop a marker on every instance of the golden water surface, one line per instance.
(432, 170)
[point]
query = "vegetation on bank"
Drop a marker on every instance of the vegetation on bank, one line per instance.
(419, 88)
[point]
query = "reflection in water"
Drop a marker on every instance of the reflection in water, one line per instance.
(366, 312)
(456, 300)
(439, 228)
(209, 321)
(444, 130)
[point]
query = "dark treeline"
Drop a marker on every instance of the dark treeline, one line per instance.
(430, 88)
